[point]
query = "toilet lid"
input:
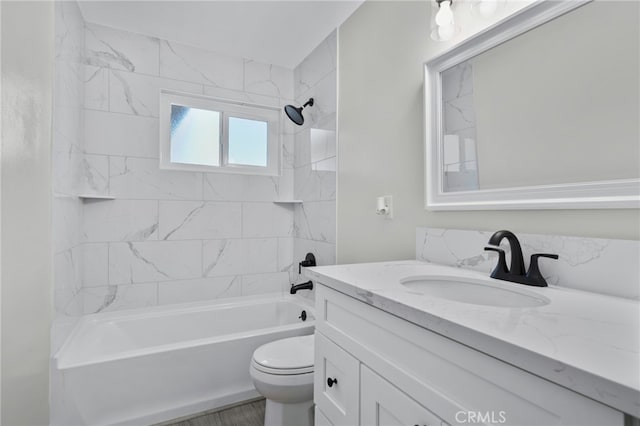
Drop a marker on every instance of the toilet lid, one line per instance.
(293, 353)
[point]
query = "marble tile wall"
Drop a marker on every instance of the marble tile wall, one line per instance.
(173, 236)
(315, 158)
(590, 264)
(68, 158)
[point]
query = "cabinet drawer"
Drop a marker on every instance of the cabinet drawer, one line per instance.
(447, 377)
(336, 380)
(382, 404)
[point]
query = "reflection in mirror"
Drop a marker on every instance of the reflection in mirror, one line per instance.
(460, 162)
(556, 105)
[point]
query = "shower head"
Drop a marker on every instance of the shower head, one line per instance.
(295, 113)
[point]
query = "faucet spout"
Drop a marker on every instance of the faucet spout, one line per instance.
(516, 273)
(304, 286)
(517, 260)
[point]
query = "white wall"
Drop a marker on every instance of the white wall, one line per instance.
(27, 77)
(382, 48)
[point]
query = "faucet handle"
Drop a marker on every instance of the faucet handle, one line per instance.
(534, 276)
(309, 260)
(549, 255)
(501, 267)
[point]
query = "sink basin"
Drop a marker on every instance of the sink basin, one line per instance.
(474, 292)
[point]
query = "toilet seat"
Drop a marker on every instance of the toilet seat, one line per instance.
(289, 356)
(282, 371)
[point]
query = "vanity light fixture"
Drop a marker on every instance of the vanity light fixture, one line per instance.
(443, 22)
(485, 9)
(445, 26)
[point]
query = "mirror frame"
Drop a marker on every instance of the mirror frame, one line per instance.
(610, 194)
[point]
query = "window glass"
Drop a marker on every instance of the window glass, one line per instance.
(195, 136)
(247, 142)
(203, 134)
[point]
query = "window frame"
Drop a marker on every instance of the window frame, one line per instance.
(227, 108)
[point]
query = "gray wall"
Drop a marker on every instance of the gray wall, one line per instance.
(572, 116)
(382, 48)
(27, 77)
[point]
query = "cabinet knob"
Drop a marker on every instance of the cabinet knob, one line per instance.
(331, 382)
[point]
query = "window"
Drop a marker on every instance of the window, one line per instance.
(213, 135)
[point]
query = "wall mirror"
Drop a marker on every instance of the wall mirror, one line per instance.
(540, 111)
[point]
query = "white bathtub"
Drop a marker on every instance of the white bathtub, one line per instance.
(150, 365)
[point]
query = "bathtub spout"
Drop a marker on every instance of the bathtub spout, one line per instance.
(304, 286)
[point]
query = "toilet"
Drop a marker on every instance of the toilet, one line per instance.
(282, 371)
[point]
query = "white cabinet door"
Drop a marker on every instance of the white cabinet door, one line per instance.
(336, 380)
(382, 404)
(321, 419)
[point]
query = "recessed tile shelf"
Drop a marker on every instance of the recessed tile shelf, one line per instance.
(288, 201)
(92, 197)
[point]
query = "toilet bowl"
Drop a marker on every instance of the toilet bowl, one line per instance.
(282, 371)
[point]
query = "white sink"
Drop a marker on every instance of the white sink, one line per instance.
(474, 292)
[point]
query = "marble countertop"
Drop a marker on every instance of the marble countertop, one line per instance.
(587, 342)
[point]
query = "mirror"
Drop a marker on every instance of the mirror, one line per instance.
(540, 111)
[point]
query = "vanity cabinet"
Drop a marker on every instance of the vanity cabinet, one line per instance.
(336, 382)
(374, 368)
(383, 404)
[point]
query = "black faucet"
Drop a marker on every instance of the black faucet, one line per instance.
(516, 272)
(304, 286)
(309, 261)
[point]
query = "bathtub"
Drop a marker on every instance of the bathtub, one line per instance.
(155, 364)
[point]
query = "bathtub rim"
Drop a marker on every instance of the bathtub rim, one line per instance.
(166, 310)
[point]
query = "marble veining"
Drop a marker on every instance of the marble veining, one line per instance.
(147, 261)
(317, 64)
(95, 174)
(68, 165)
(214, 256)
(197, 220)
(109, 298)
(96, 88)
(457, 81)
(110, 48)
(138, 94)
(173, 236)
(316, 221)
(268, 79)
(188, 63)
(591, 264)
(118, 297)
(587, 342)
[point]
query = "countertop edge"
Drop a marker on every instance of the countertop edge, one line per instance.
(600, 389)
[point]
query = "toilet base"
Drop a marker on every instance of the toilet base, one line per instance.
(297, 414)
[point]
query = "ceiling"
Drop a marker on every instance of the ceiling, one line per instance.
(274, 32)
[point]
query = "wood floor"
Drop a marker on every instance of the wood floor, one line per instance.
(250, 414)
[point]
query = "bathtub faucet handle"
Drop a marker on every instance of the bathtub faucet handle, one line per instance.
(309, 260)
